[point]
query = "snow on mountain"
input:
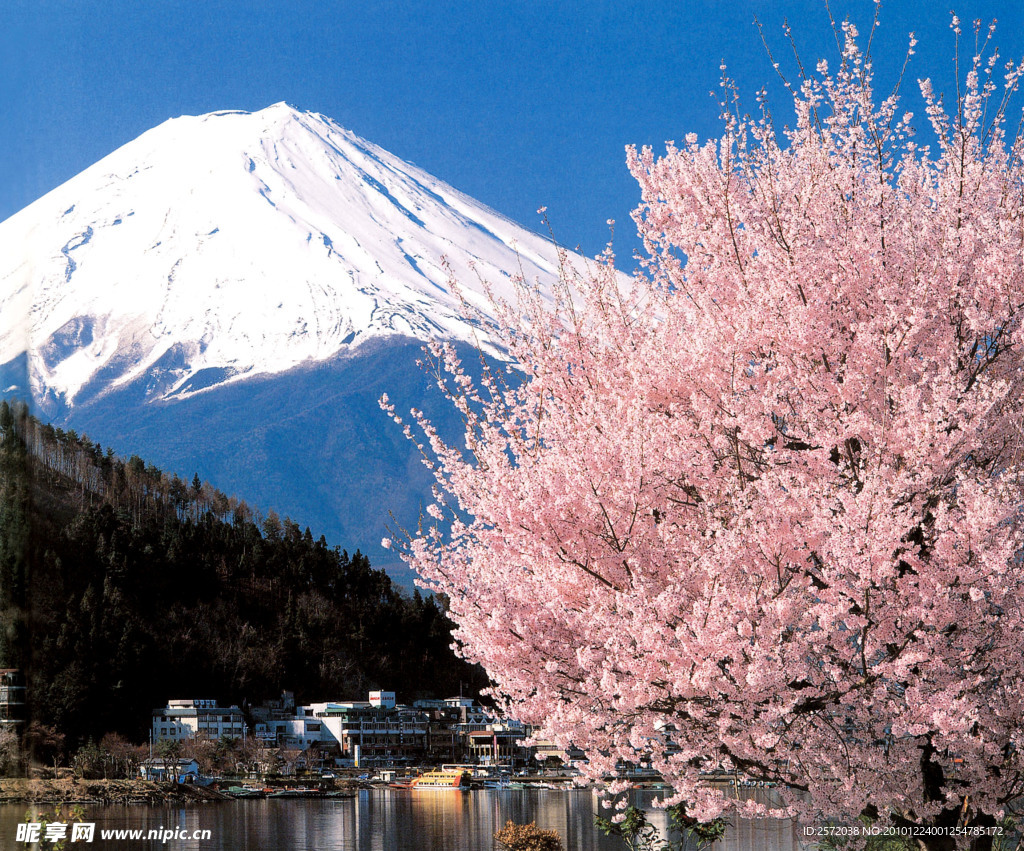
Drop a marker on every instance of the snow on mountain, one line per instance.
(228, 245)
(230, 294)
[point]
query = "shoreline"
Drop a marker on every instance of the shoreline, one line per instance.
(73, 791)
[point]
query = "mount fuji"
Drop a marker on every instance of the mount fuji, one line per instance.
(229, 294)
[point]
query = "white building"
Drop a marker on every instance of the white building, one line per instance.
(378, 727)
(382, 699)
(181, 720)
(294, 732)
(182, 770)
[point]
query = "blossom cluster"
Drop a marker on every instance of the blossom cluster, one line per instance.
(757, 509)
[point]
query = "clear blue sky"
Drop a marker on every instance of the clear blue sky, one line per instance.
(520, 104)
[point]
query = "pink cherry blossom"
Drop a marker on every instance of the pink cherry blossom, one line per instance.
(758, 509)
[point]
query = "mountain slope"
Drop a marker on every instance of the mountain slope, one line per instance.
(311, 443)
(129, 586)
(232, 244)
(229, 294)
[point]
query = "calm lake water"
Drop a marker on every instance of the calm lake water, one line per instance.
(385, 820)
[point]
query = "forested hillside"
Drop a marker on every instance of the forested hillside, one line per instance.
(122, 586)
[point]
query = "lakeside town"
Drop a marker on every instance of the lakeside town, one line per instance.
(285, 746)
(376, 736)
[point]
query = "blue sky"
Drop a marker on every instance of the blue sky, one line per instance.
(519, 104)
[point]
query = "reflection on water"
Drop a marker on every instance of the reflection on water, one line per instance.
(745, 834)
(391, 820)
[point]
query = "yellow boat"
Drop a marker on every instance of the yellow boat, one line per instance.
(442, 779)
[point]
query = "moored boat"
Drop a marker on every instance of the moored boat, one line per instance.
(442, 779)
(247, 792)
(298, 793)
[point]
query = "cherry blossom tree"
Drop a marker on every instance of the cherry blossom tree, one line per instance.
(758, 509)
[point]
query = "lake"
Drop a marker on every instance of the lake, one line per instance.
(385, 820)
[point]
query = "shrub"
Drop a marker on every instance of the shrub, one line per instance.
(527, 837)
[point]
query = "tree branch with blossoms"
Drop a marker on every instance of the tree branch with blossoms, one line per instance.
(758, 508)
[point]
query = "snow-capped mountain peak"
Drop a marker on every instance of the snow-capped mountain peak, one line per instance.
(233, 244)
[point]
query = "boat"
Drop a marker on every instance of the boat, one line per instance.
(557, 785)
(501, 782)
(247, 792)
(298, 793)
(442, 779)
